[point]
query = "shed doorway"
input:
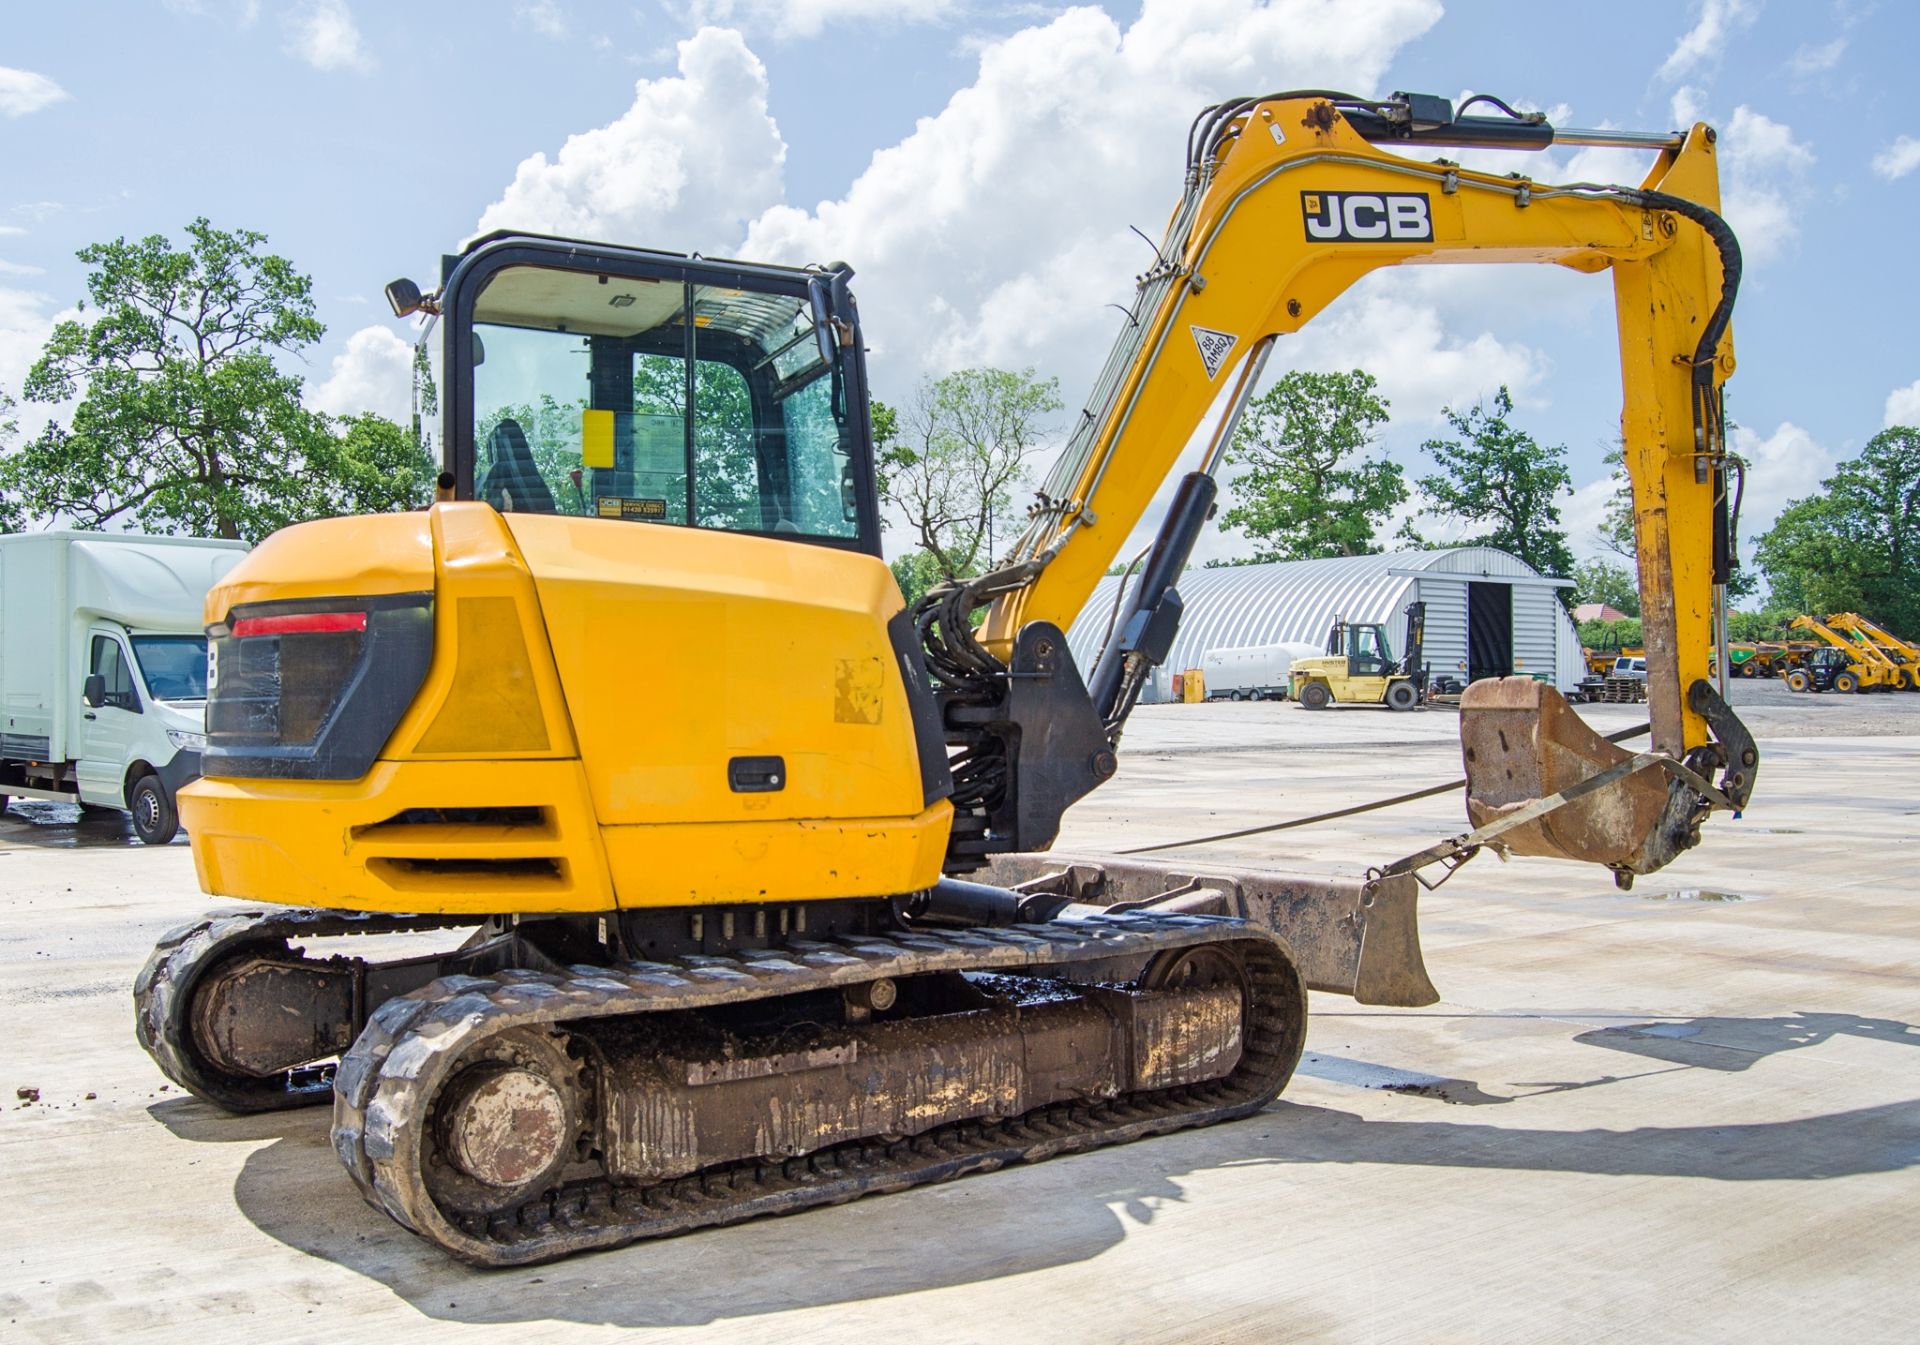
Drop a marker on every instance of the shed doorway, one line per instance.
(1489, 631)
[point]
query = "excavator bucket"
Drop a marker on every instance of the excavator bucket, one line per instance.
(1524, 744)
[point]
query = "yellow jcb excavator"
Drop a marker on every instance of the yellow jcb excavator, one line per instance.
(748, 857)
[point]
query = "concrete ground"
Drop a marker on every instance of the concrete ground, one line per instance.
(1688, 1112)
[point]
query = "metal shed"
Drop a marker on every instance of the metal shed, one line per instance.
(1488, 613)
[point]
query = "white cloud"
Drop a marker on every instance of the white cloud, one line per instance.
(543, 16)
(997, 228)
(11, 231)
(1583, 514)
(687, 165)
(996, 231)
(374, 373)
(1784, 466)
(17, 269)
(244, 12)
(1689, 105)
(323, 34)
(24, 91)
(25, 324)
(1701, 44)
(1898, 159)
(1421, 366)
(807, 18)
(1787, 465)
(1763, 176)
(1811, 60)
(1903, 405)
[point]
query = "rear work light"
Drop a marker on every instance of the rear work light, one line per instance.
(312, 688)
(300, 623)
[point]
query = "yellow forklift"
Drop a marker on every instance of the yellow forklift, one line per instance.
(1359, 668)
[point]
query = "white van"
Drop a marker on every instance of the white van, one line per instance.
(103, 669)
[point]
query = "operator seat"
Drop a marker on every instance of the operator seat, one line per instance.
(513, 483)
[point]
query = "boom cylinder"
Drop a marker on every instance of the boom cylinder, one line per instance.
(1144, 634)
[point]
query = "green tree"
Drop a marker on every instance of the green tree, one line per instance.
(10, 519)
(372, 466)
(1599, 581)
(916, 572)
(1611, 634)
(183, 422)
(1496, 476)
(1856, 545)
(1770, 623)
(1615, 532)
(1309, 487)
(951, 458)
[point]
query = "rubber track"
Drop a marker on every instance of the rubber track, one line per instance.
(386, 1083)
(163, 996)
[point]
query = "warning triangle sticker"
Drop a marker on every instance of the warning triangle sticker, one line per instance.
(1213, 347)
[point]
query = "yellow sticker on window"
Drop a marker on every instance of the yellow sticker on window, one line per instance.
(596, 438)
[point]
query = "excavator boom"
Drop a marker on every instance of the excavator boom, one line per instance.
(1289, 200)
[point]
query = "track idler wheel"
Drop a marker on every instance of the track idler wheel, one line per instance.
(506, 1124)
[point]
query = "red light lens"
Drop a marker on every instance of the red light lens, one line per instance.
(300, 623)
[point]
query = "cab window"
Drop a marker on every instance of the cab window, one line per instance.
(658, 401)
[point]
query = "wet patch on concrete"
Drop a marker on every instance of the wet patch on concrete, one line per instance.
(1694, 894)
(1386, 1078)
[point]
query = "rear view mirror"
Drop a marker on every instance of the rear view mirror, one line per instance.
(93, 692)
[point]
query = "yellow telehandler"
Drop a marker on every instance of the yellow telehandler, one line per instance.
(1903, 658)
(743, 860)
(1856, 666)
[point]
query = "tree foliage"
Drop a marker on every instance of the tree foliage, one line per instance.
(1856, 545)
(1601, 581)
(916, 572)
(1611, 634)
(950, 459)
(1496, 477)
(1309, 487)
(182, 419)
(9, 510)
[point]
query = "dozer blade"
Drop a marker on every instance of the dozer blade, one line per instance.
(1523, 743)
(1348, 936)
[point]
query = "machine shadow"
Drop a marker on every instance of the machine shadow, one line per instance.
(1018, 1220)
(1734, 1044)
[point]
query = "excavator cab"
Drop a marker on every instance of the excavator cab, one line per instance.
(651, 388)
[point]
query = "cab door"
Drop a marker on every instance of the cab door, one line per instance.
(1367, 663)
(110, 728)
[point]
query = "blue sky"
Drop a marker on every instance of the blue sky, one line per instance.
(979, 164)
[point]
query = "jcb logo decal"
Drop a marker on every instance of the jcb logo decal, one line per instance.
(1367, 217)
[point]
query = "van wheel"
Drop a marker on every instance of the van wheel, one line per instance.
(154, 820)
(1401, 696)
(1235, 696)
(1315, 696)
